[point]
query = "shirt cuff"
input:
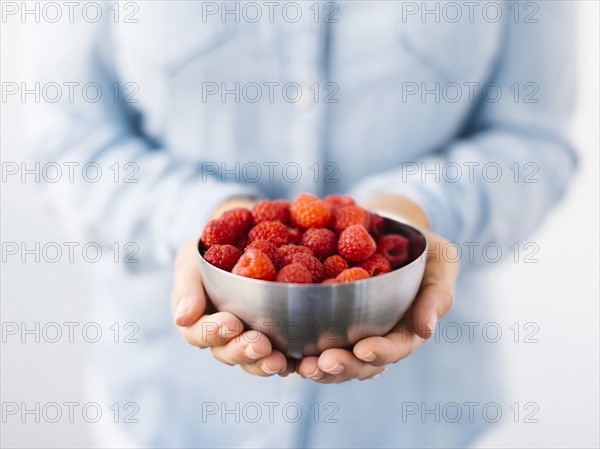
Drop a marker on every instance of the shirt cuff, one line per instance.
(443, 218)
(195, 210)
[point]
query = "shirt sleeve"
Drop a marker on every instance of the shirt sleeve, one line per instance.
(117, 185)
(515, 159)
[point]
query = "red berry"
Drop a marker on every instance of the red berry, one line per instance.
(329, 281)
(394, 248)
(312, 263)
(294, 273)
(268, 248)
(217, 232)
(334, 265)
(377, 225)
(356, 244)
(287, 251)
(352, 274)
(294, 235)
(375, 265)
(240, 219)
(337, 201)
(308, 211)
(321, 241)
(273, 231)
(276, 210)
(222, 256)
(348, 216)
(255, 264)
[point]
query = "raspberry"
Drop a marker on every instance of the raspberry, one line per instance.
(308, 211)
(352, 274)
(273, 231)
(240, 219)
(377, 225)
(375, 265)
(334, 265)
(394, 248)
(268, 248)
(312, 263)
(321, 241)
(217, 232)
(255, 264)
(294, 273)
(287, 251)
(337, 201)
(348, 216)
(222, 256)
(329, 281)
(276, 210)
(294, 235)
(356, 244)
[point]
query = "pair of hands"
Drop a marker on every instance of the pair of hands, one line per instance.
(229, 343)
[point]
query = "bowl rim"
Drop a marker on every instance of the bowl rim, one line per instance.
(276, 284)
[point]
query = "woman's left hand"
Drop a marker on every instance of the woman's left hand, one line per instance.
(369, 356)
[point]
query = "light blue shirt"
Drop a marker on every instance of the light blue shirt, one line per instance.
(466, 117)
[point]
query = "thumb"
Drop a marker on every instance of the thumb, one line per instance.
(188, 301)
(436, 295)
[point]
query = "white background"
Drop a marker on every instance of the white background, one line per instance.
(560, 293)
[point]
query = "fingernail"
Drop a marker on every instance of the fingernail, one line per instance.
(379, 373)
(367, 357)
(250, 353)
(431, 322)
(181, 310)
(316, 375)
(267, 370)
(337, 369)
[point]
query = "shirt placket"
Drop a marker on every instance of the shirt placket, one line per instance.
(302, 69)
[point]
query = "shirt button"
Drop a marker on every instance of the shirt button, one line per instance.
(304, 101)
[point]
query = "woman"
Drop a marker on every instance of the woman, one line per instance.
(453, 118)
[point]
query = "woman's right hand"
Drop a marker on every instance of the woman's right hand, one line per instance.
(222, 332)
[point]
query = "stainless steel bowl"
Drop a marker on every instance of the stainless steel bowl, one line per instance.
(305, 319)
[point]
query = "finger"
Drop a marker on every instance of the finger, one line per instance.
(340, 365)
(244, 349)
(213, 330)
(309, 368)
(399, 343)
(436, 294)
(274, 363)
(188, 300)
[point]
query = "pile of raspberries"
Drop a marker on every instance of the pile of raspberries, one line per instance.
(307, 241)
